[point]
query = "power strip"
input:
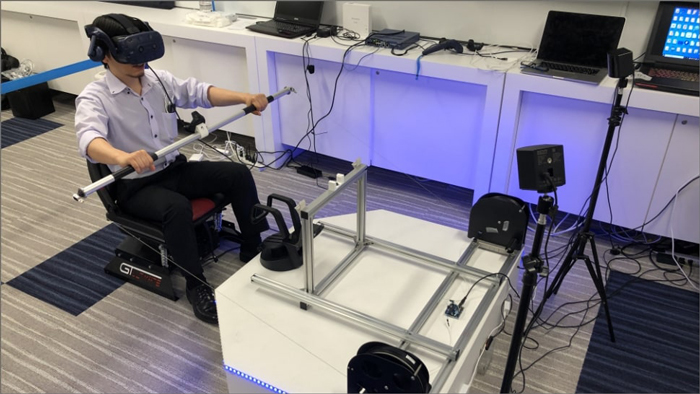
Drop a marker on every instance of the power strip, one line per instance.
(665, 258)
(238, 153)
(245, 161)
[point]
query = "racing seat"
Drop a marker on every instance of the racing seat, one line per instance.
(142, 258)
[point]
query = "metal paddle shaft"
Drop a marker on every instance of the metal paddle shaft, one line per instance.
(201, 131)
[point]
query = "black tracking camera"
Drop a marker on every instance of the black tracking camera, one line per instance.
(541, 167)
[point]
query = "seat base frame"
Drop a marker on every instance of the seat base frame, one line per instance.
(152, 277)
(142, 265)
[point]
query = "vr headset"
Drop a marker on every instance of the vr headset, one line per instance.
(136, 48)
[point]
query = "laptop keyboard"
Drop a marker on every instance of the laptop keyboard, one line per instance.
(288, 26)
(570, 68)
(673, 74)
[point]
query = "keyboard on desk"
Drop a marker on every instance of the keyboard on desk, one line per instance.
(570, 68)
(284, 26)
(673, 74)
(281, 28)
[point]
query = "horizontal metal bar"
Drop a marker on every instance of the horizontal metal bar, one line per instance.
(354, 316)
(337, 229)
(416, 254)
(439, 293)
(315, 206)
(468, 332)
(180, 143)
(286, 90)
(435, 260)
(431, 305)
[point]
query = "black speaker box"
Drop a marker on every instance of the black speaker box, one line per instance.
(620, 63)
(536, 162)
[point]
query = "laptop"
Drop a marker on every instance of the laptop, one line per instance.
(292, 19)
(671, 59)
(575, 46)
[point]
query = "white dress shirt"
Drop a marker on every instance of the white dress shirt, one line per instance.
(111, 110)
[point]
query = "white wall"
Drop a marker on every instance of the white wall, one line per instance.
(494, 22)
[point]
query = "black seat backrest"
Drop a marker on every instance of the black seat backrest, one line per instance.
(107, 194)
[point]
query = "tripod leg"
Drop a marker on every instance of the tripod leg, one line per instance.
(598, 279)
(565, 267)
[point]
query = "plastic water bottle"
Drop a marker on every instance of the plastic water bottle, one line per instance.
(205, 6)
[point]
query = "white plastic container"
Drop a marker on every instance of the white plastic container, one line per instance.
(206, 6)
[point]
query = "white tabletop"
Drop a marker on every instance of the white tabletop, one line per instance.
(268, 336)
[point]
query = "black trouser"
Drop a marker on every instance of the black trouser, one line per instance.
(165, 197)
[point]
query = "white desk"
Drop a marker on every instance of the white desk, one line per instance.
(268, 337)
(459, 122)
(441, 125)
(657, 149)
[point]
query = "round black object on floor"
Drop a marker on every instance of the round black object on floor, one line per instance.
(382, 368)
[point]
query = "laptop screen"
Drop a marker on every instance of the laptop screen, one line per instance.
(303, 12)
(675, 36)
(580, 39)
(682, 35)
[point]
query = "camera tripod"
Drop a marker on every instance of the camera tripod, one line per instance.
(585, 235)
(534, 267)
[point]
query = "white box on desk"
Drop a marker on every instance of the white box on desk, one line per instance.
(357, 17)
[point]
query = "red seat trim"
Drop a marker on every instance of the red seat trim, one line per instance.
(200, 207)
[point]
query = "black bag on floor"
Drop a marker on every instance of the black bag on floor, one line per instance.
(8, 63)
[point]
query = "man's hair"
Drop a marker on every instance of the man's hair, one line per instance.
(113, 28)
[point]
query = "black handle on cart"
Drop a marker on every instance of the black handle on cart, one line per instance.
(260, 211)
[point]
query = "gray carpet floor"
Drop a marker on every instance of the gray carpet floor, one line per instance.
(135, 341)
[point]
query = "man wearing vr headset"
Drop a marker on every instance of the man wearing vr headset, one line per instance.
(131, 112)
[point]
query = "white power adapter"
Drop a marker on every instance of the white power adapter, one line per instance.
(196, 157)
(224, 152)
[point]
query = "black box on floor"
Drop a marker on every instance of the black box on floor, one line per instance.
(32, 102)
(309, 171)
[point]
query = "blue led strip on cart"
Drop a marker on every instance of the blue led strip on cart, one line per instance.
(59, 72)
(254, 380)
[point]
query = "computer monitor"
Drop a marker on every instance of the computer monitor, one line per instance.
(304, 12)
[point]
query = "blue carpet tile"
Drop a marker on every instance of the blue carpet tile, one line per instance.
(74, 279)
(656, 348)
(17, 129)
